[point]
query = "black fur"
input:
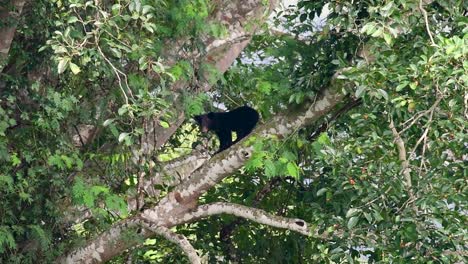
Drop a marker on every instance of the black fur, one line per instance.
(241, 120)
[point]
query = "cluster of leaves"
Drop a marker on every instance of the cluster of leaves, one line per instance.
(95, 63)
(92, 35)
(275, 158)
(347, 183)
(350, 182)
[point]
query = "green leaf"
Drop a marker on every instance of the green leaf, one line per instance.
(72, 19)
(368, 217)
(264, 87)
(387, 38)
(122, 136)
(293, 170)
(60, 49)
(270, 169)
(377, 33)
(288, 156)
(114, 203)
(256, 161)
(377, 216)
(15, 161)
(74, 68)
(352, 212)
(26, 197)
(55, 160)
(383, 93)
(62, 65)
(68, 161)
(401, 86)
(6, 180)
(122, 110)
(387, 9)
(98, 189)
(323, 139)
(321, 192)
(164, 124)
(352, 222)
(88, 199)
(146, 9)
(116, 8)
(360, 90)
(108, 122)
(368, 28)
(149, 26)
(6, 239)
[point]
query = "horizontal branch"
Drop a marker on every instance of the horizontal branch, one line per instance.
(250, 213)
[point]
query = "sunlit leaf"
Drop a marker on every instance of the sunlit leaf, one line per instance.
(352, 222)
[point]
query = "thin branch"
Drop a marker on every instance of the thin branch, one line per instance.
(402, 157)
(426, 20)
(381, 196)
(465, 103)
(178, 239)
(426, 131)
(412, 120)
(116, 71)
(79, 135)
(256, 215)
(423, 137)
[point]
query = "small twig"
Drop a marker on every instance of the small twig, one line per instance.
(426, 131)
(465, 102)
(230, 99)
(413, 120)
(410, 200)
(423, 138)
(426, 20)
(376, 198)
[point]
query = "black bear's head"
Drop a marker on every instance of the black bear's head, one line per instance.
(205, 122)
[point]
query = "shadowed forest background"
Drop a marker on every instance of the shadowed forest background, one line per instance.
(359, 155)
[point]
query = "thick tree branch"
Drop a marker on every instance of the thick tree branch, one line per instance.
(169, 174)
(241, 18)
(234, 158)
(253, 214)
(177, 170)
(236, 16)
(177, 206)
(180, 205)
(8, 33)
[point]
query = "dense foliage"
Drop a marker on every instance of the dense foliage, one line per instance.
(383, 181)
